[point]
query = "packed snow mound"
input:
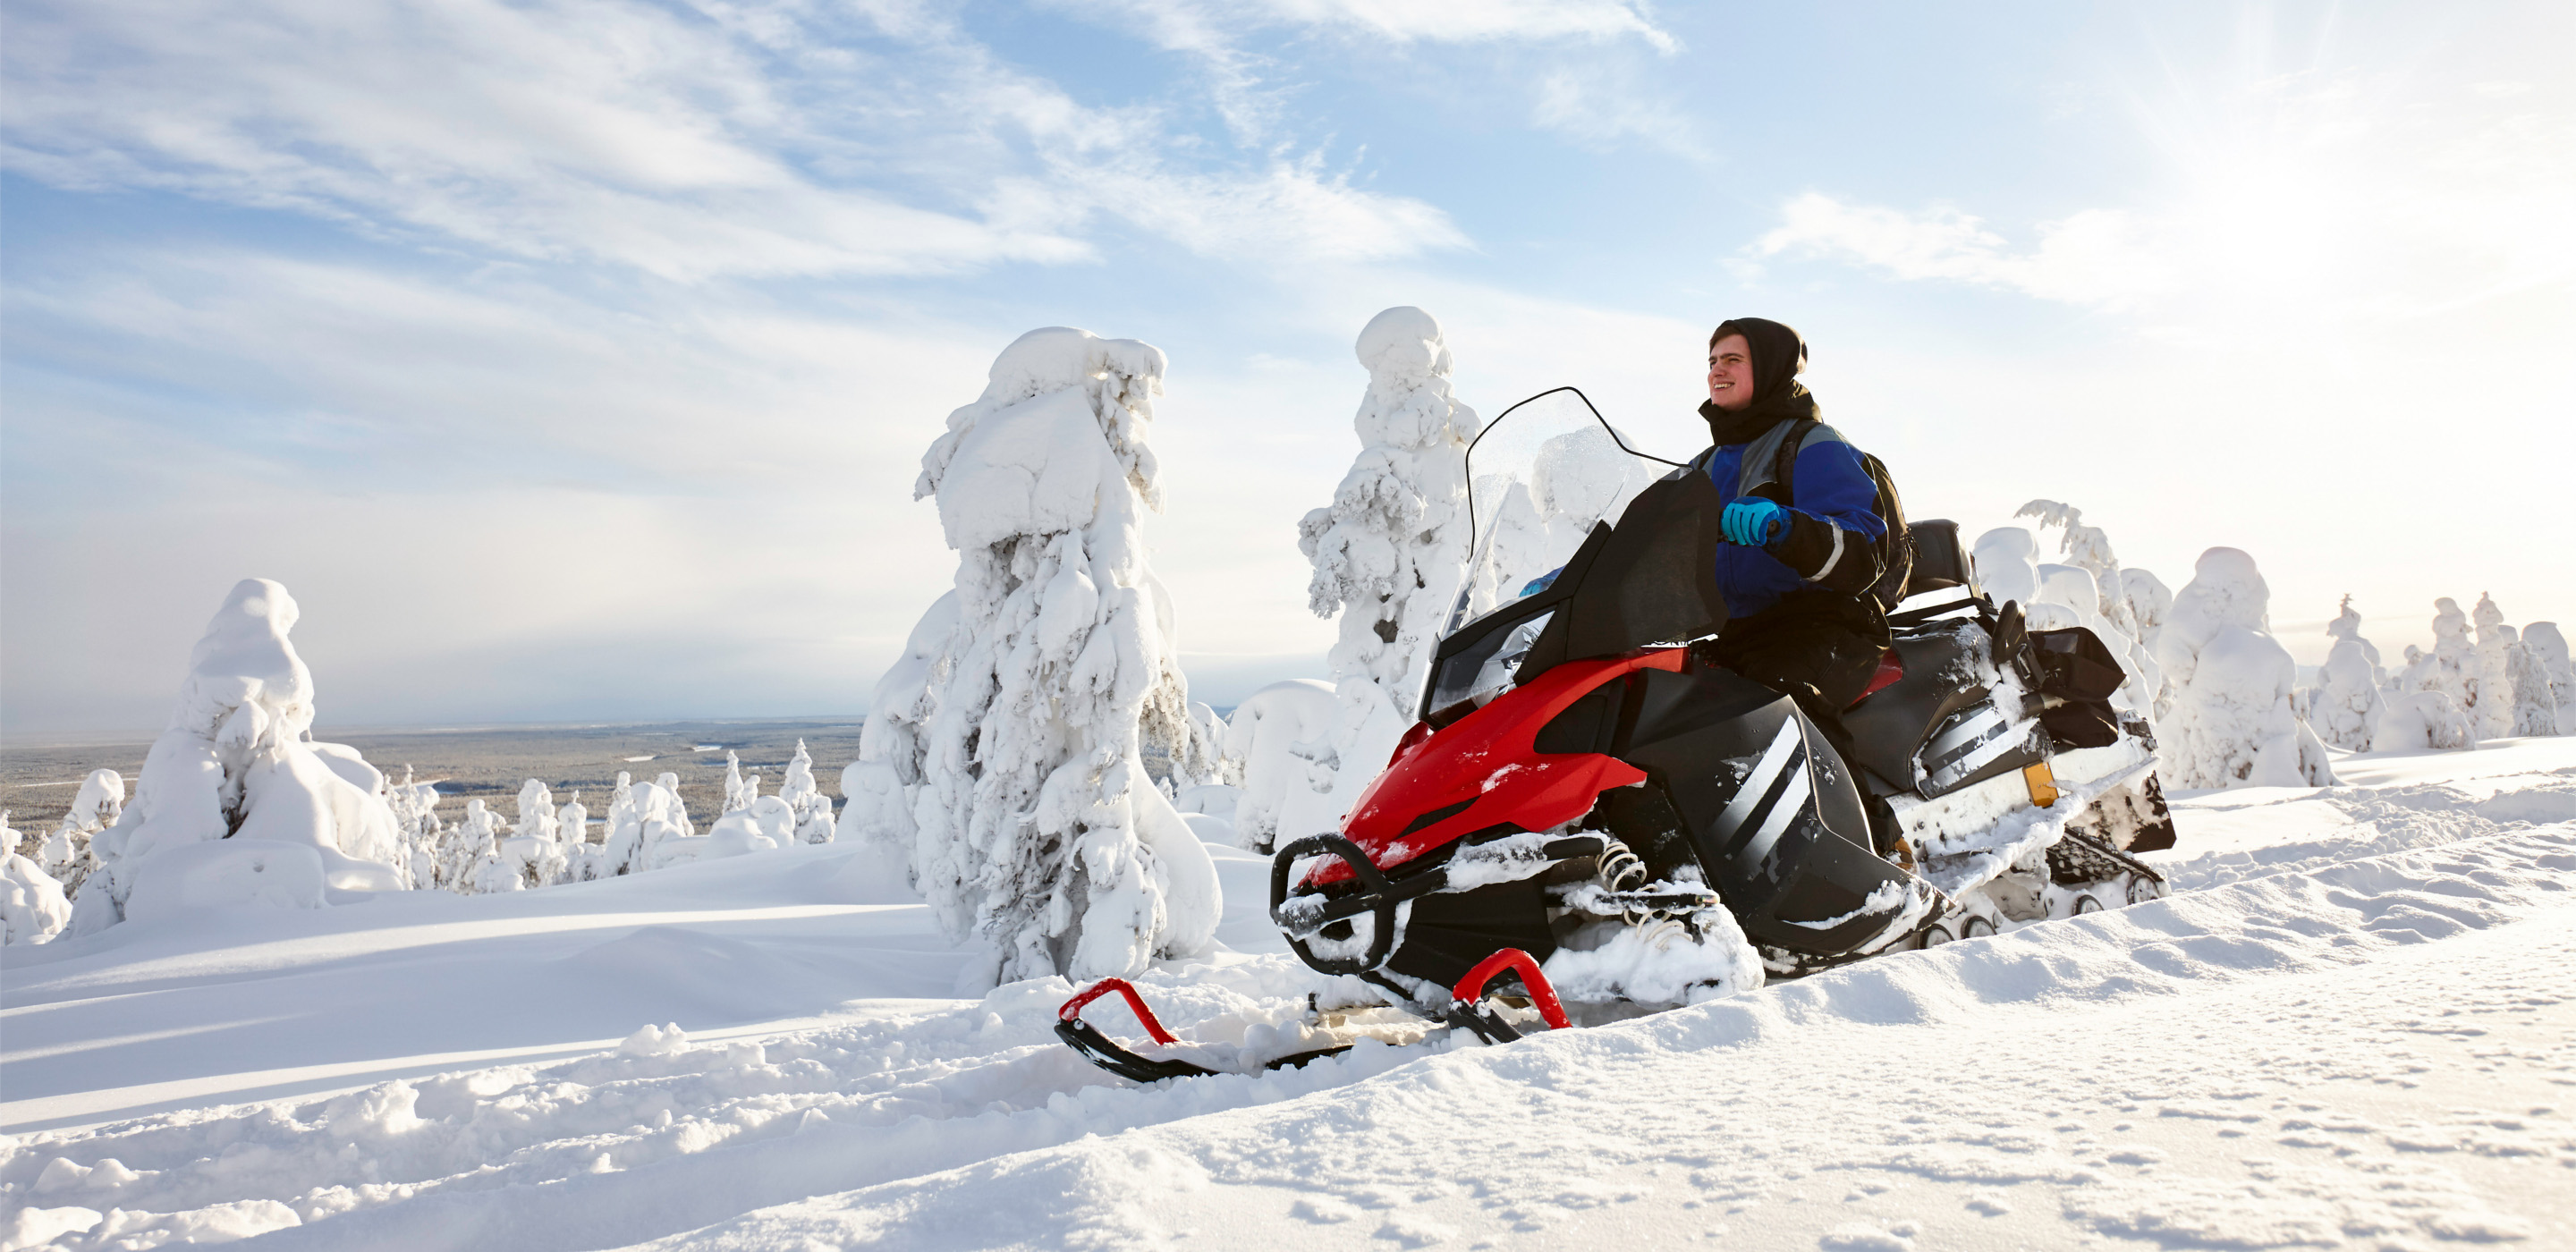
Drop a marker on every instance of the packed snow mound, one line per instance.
(1036, 829)
(33, 908)
(2229, 685)
(2421, 719)
(238, 763)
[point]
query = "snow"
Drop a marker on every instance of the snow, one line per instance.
(1387, 552)
(2346, 705)
(2349, 1028)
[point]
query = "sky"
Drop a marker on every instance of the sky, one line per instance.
(572, 360)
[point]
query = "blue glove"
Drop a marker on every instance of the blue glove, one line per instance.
(1753, 522)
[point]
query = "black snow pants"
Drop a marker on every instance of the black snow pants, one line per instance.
(1819, 648)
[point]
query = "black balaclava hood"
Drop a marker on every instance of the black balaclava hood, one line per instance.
(1778, 356)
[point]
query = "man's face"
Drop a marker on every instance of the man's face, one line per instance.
(1730, 373)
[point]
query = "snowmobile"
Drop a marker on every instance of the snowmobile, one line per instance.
(1591, 813)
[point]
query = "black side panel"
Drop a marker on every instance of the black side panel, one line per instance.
(1450, 931)
(1941, 677)
(1770, 810)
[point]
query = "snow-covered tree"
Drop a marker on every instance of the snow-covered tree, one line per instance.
(678, 815)
(32, 906)
(535, 846)
(237, 764)
(2149, 602)
(734, 796)
(2510, 692)
(65, 853)
(584, 858)
(1036, 827)
(1282, 735)
(2345, 706)
(1387, 552)
(2549, 651)
(423, 835)
(2230, 722)
(812, 809)
(471, 861)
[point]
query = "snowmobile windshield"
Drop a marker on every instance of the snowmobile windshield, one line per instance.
(1542, 477)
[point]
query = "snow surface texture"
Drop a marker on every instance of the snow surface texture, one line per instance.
(2229, 686)
(237, 766)
(1021, 715)
(1387, 554)
(2351, 1029)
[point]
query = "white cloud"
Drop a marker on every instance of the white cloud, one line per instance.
(2101, 256)
(2299, 202)
(774, 141)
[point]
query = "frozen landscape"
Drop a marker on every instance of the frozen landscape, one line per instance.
(2350, 1027)
(275, 995)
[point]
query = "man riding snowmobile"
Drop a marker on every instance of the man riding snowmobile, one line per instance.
(1674, 742)
(1801, 555)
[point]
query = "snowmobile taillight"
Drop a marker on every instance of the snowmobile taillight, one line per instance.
(1542, 993)
(1101, 1050)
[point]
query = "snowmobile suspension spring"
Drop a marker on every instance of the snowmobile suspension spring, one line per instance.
(1619, 867)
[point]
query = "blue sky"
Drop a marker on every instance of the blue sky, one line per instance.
(573, 359)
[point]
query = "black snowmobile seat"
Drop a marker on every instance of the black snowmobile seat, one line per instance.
(1940, 560)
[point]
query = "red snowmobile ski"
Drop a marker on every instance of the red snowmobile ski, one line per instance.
(1592, 810)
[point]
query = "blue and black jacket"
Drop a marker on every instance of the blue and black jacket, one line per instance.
(1832, 543)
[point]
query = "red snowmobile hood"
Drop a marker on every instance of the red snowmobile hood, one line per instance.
(1485, 770)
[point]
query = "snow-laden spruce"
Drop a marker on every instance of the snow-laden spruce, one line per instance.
(65, 853)
(1030, 697)
(2345, 706)
(2549, 651)
(809, 809)
(237, 803)
(2229, 684)
(2510, 693)
(1387, 554)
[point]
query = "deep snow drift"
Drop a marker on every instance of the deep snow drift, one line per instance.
(2351, 1029)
